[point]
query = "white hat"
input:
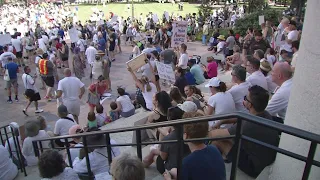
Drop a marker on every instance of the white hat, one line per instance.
(214, 82)
(188, 106)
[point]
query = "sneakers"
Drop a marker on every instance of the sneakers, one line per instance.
(16, 99)
(39, 111)
(48, 98)
(25, 112)
(9, 101)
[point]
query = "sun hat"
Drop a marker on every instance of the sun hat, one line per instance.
(221, 37)
(32, 128)
(39, 51)
(188, 106)
(99, 52)
(214, 82)
(265, 65)
(75, 129)
(62, 111)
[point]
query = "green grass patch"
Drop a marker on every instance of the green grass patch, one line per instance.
(120, 9)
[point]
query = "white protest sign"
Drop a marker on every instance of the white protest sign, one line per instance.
(155, 18)
(114, 19)
(165, 71)
(137, 62)
(261, 20)
(166, 14)
(5, 39)
(179, 33)
(74, 35)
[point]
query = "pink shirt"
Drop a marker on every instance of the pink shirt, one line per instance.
(212, 69)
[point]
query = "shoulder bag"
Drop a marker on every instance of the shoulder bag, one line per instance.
(6, 76)
(94, 99)
(28, 92)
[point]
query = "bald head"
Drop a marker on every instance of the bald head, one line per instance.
(281, 72)
(67, 72)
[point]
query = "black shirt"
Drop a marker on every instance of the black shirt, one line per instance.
(180, 83)
(259, 156)
(113, 36)
(172, 150)
(253, 45)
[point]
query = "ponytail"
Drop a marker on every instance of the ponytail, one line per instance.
(222, 87)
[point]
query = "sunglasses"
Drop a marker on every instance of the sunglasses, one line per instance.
(246, 99)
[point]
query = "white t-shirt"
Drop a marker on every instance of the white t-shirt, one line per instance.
(91, 54)
(4, 57)
(271, 59)
(125, 103)
(17, 44)
(68, 173)
(70, 87)
(74, 152)
(294, 59)
(63, 125)
(146, 70)
(293, 36)
(7, 168)
(222, 103)
(42, 45)
(81, 43)
(28, 82)
(27, 148)
(220, 46)
(238, 92)
(257, 78)
(149, 95)
(183, 61)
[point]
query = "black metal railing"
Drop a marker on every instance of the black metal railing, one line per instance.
(238, 137)
(10, 134)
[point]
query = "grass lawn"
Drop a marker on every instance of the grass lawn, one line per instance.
(120, 9)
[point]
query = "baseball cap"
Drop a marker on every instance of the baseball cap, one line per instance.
(62, 111)
(214, 82)
(188, 106)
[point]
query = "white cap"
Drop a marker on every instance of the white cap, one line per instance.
(188, 106)
(214, 82)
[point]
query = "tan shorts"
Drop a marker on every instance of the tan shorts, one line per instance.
(12, 82)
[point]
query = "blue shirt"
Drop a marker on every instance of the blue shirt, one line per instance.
(61, 33)
(190, 78)
(102, 44)
(197, 73)
(12, 69)
(205, 164)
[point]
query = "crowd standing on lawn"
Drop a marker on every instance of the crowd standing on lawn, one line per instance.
(261, 78)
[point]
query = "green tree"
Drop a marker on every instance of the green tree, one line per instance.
(255, 5)
(205, 8)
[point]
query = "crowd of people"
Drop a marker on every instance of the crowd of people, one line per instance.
(261, 79)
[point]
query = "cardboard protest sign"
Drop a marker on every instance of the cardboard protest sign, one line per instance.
(179, 33)
(165, 71)
(166, 14)
(155, 18)
(137, 62)
(5, 39)
(74, 35)
(261, 20)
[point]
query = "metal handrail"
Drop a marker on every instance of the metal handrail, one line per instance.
(178, 124)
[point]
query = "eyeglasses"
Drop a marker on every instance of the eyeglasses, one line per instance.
(246, 99)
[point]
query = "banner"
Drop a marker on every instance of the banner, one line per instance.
(155, 18)
(165, 71)
(137, 62)
(74, 35)
(5, 39)
(179, 33)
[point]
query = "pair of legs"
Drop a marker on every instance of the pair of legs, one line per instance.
(49, 81)
(14, 83)
(33, 98)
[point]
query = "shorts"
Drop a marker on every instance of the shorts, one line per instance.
(106, 72)
(119, 41)
(64, 58)
(48, 80)
(73, 106)
(157, 77)
(12, 82)
(34, 97)
(19, 54)
(112, 47)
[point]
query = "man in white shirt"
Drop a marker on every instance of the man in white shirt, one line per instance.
(183, 60)
(295, 49)
(71, 89)
(81, 43)
(32, 92)
(241, 89)
(282, 76)
(5, 55)
(16, 43)
(91, 53)
(282, 26)
(256, 76)
(8, 169)
(293, 35)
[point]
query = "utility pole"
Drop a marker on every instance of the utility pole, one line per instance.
(132, 9)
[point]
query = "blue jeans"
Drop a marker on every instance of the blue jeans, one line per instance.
(204, 39)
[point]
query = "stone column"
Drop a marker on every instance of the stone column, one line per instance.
(304, 105)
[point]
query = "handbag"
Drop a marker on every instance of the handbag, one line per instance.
(94, 99)
(6, 76)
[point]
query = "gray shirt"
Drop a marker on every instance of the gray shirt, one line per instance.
(231, 41)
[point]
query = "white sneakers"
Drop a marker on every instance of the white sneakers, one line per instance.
(39, 111)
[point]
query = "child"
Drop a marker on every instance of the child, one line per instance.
(271, 58)
(114, 115)
(100, 116)
(92, 121)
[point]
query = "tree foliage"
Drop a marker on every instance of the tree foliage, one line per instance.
(252, 20)
(205, 8)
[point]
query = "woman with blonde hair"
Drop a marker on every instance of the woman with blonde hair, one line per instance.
(148, 89)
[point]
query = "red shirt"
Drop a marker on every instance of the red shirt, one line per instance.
(100, 89)
(212, 69)
(58, 45)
